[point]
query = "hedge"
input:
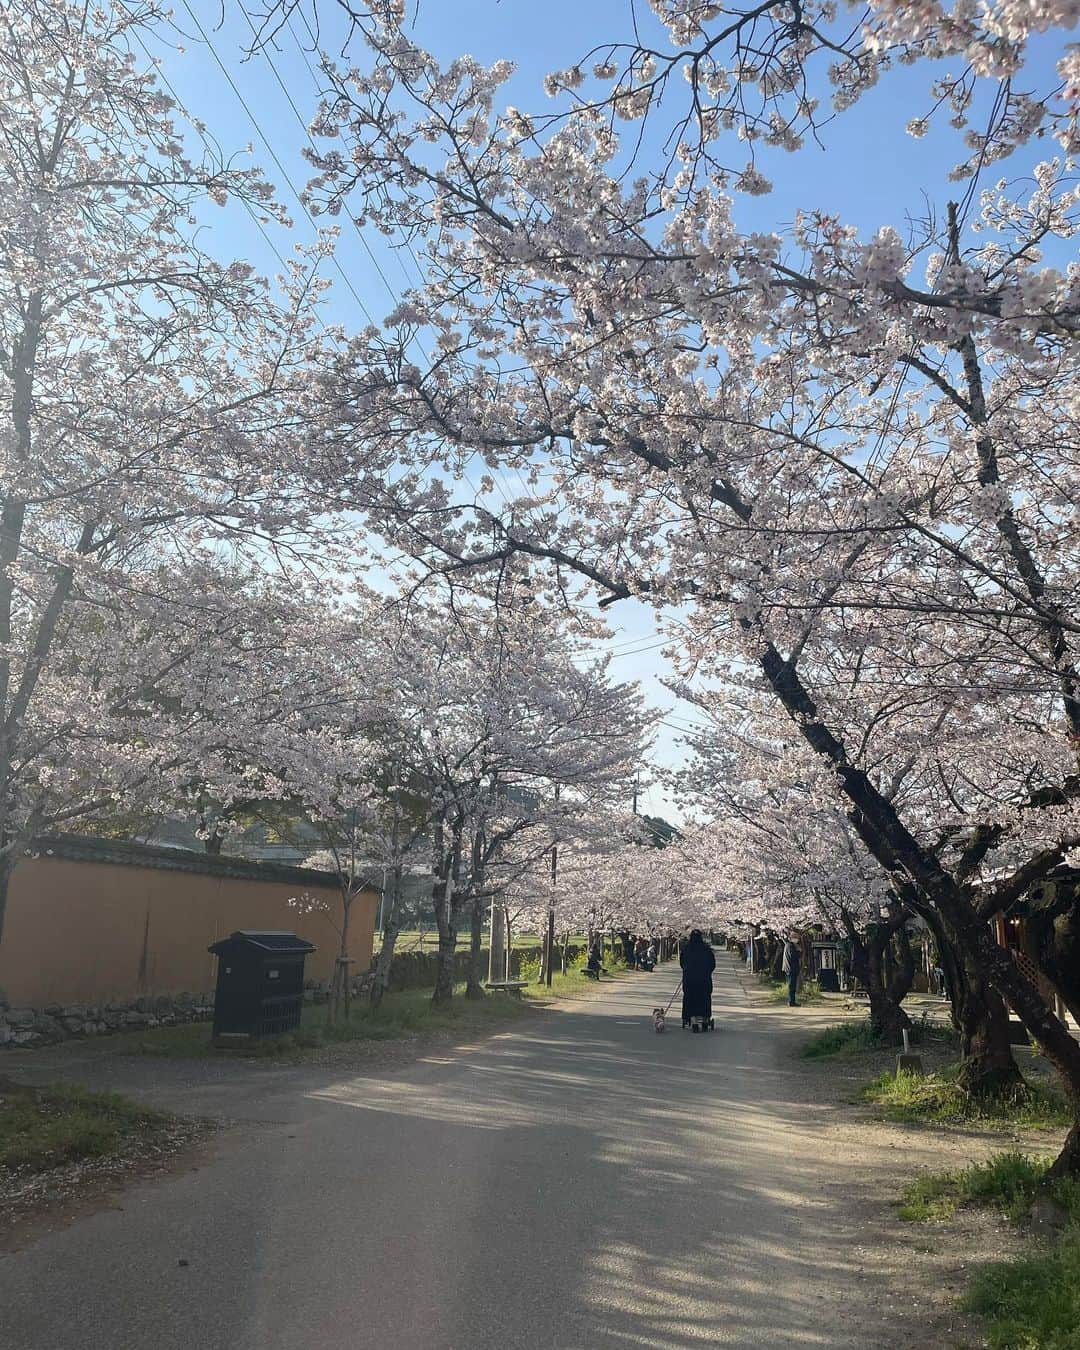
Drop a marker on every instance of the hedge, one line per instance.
(416, 970)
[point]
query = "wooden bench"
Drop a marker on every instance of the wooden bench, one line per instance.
(508, 986)
(593, 974)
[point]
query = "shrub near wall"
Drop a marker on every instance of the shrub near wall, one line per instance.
(416, 970)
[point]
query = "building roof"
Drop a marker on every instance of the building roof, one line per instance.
(126, 853)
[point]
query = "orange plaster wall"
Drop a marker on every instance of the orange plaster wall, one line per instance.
(88, 932)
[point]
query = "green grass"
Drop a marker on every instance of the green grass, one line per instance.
(938, 1098)
(852, 1038)
(399, 1016)
(1008, 1182)
(44, 1127)
(1033, 1303)
(846, 1038)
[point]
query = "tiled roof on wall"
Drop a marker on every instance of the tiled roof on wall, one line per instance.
(90, 848)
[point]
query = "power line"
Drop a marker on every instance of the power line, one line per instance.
(274, 156)
(352, 220)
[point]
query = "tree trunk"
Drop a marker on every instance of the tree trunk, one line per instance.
(474, 986)
(384, 962)
(988, 1067)
(1067, 1162)
(7, 867)
(339, 983)
(446, 917)
(888, 1019)
(474, 979)
(444, 977)
(981, 1019)
(901, 966)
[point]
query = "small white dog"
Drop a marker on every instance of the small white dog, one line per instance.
(658, 1019)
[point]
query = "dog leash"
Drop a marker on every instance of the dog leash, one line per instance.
(674, 996)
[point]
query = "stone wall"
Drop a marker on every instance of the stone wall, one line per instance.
(64, 1022)
(61, 1022)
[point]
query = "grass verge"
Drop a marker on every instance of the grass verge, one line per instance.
(1008, 1182)
(1028, 1304)
(852, 1038)
(1033, 1303)
(399, 1016)
(938, 1098)
(44, 1127)
(846, 1038)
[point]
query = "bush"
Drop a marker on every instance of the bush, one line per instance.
(529, 969)
(810, 992)
(417, 970)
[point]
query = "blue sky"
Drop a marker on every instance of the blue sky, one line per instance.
(868, 171)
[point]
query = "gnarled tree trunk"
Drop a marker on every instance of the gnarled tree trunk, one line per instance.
(868, 963)
(988, 1067)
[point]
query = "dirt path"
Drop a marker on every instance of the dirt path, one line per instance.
(572, 1183)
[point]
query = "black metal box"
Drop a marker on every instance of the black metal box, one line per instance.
(260, 983)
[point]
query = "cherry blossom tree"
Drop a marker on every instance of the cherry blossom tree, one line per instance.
(150, 398)
(846, 456)
(514, 734)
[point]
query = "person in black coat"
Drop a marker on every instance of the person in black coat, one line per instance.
(698, 962)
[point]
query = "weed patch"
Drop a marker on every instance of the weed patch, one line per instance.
(1034, 1303)
(809, 993)
(1008, 1182)
(44, 1127)
(847, 1038)
(938, 1098)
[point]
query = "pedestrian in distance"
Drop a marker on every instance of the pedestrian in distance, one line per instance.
(641, 954)
(792, 965)
(698, 961)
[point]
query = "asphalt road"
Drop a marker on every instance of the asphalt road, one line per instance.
(576, 1182)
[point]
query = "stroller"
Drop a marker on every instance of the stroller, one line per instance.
(697, 1010)
(702, 1021)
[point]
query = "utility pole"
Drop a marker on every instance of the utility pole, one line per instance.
(636, 780)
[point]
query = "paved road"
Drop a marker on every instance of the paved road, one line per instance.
(574, 1183)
